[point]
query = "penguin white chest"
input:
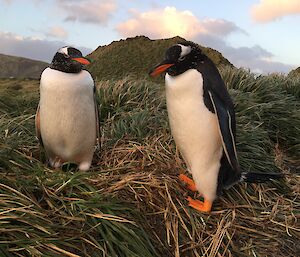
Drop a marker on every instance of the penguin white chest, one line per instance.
(67, 115)
(195, 129)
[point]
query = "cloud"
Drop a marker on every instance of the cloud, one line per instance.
(88, 11)
(255, 58)
(169, 22)
(33, 48)
(269, 10)
(56, 32)
(220, 27)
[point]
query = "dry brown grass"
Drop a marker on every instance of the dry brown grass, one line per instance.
(248, 220)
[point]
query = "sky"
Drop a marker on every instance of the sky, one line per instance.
(260, 35)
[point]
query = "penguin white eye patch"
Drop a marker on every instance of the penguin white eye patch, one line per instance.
(64, 51)
(185, 50)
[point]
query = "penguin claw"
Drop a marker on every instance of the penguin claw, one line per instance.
(200, 206)
(189, 182)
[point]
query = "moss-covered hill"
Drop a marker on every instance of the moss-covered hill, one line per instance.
(136, 56)
(18, 67)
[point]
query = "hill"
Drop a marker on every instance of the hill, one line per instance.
(295, 72)
(19, 67)
(132, 56)
(136, 56)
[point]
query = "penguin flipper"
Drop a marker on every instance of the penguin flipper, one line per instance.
(98, 137)
(37, 125)
(226, 122)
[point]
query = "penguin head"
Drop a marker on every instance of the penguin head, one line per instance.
(68, 59)
(178, 59)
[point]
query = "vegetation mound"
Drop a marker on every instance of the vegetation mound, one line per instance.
(136, 56)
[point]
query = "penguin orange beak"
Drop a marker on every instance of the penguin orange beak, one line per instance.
(160, 68)
(82, 60)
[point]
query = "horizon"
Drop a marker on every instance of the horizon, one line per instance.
(248, 38)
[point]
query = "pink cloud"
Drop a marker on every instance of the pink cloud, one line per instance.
(169, 22)
(269, 10)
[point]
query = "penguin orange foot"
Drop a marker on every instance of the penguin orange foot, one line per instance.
(189, 182)
(204, 206)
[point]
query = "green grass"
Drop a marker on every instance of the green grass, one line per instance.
(269, 100)
(131, 203)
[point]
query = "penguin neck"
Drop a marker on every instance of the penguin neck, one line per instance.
(187, 83)
(54, 78)
(66, 67)
(191, 62)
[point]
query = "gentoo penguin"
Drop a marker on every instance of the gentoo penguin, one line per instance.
(202, 120)
(67, 121)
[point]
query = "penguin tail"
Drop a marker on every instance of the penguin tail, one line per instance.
(260, 177)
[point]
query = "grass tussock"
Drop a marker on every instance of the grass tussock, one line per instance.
(272, 101)
(131, 203)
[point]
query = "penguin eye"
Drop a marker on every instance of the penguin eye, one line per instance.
(66, 56)
(181, 58)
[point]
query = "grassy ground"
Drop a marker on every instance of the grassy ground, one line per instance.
(131, 203)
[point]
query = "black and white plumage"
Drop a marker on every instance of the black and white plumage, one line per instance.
(67, 122)
(202, 120)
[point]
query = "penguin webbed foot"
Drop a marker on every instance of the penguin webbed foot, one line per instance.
(204, 206)
(190, 184)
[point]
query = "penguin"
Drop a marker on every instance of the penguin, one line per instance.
(67, 119)
(202, 121)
